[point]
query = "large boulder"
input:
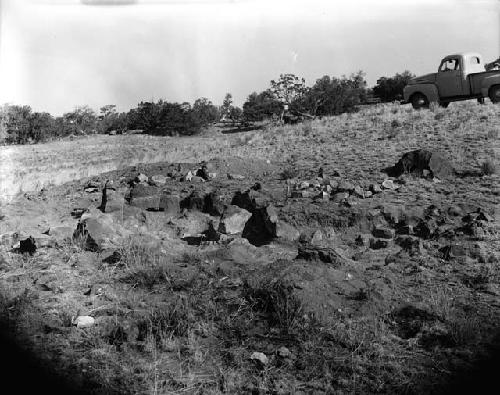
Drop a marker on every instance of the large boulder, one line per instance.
(233, 220)
(144, 196)
(419, 160)
(111, 200)
(98, 231)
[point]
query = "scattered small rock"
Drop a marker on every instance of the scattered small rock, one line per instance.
(260, 358)
(84, 321)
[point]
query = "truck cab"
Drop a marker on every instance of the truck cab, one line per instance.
(460, 76)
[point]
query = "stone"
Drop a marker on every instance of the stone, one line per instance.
(340, 196)
(376, 244)
(111, 256)
(27, 246)
(310, 252)
(203, 173)
(359, 192)
(211, 234)
(159, 179)
(144, 196)
(98, 232)
(193, 202)
(389, 184)
(233, 220)
(383, 232)
(141, 178)
(455, 211)
(405, 230)
(317, 238)
(453, 251)
(419, 160)
(412, 245)
(111, 200)
(362, 240)
(91, 189)
(345, 186)
(425, 229)
(260, 358)
(375, 188)
(84, 321)
(284, 352)
(232, 176)
(212, 204)
(484, 216)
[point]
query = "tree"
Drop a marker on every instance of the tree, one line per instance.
(288, 88)
(82, 120)
(204, 112)
(227, 104)
(260, 106)
(391, 88)
(332, 96)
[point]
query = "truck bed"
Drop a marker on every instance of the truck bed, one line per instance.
(475, 80)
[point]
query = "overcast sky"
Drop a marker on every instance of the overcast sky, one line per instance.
(56, 54)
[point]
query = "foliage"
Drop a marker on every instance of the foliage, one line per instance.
(260, 106)
(288, 89)
(332, 96)
(391, 88)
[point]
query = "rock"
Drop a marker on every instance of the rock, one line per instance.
(411, 244)
(340, 197)
(389, 184)
(84, 321)
(419, 160)
(317, 238)
(196, 179)
(311, 252)
(233, 220)
(111, 200)
(212, 204)
(260, 358)
(189, 176)
(453, 251)
(304, 185)
(144, 196)
(27, 246)
(203, 173)
(193, 202)
(375, 188)
(376, 244)
(98, 232)
(231, 176)
(383, 232)
(111, 256)
(141, 178)
(211, 234)
(91, 190)
(425, 229)
(484, 216)
(159, 179)
(345, 186)
(368, 194)
(405, 230)
(284, 353)
(363, 240)
(359, 192)
(170, 203)
(455, 211)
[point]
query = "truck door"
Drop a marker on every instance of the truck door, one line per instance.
(449, 78)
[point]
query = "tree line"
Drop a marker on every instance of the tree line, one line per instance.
(19, 124)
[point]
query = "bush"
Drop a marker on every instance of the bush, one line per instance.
(389, 89)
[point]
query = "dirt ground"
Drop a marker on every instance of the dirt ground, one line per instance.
(335, 277)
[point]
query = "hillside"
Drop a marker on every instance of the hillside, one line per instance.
(299, 260)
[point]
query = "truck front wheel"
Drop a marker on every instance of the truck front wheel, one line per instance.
(495, 94)
(418, 101)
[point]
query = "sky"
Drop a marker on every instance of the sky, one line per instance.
(57, 54)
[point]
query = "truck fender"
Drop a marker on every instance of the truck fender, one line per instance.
(488, 82)
(429, 90)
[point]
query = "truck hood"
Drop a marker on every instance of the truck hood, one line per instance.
(423, 79)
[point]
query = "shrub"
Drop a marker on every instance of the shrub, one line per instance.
(488, 168)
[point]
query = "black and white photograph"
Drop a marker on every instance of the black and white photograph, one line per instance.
(249, 197)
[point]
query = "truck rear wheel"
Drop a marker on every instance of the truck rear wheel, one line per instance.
(495, 94)
(418, 101)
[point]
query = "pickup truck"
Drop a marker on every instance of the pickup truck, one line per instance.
(461, 76)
